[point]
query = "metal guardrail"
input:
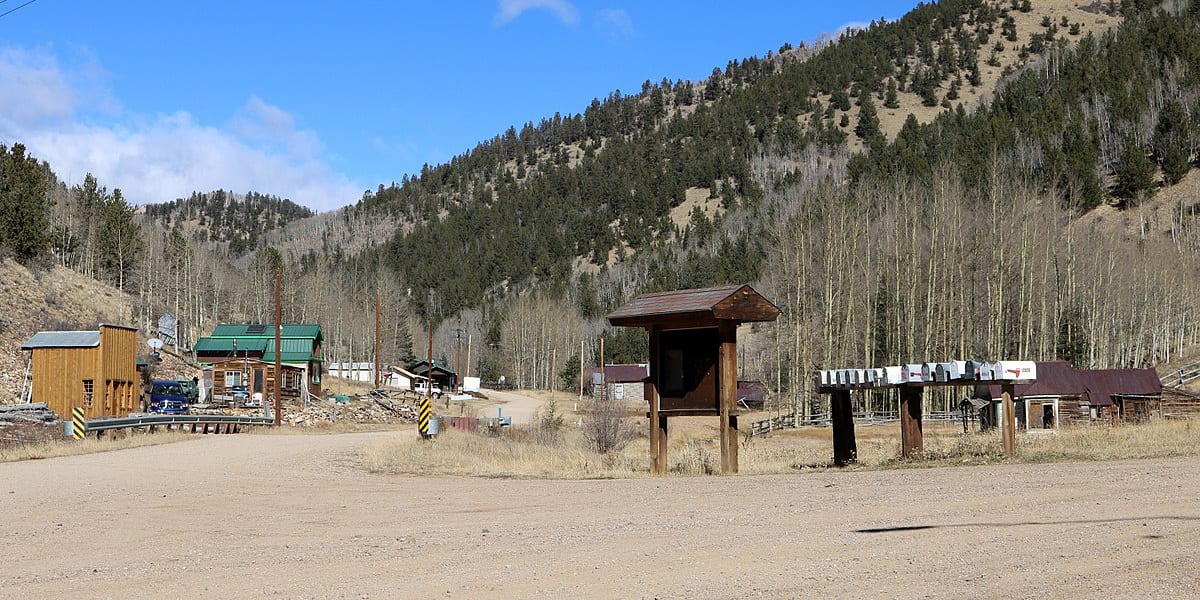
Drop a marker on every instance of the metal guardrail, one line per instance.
(168, 420)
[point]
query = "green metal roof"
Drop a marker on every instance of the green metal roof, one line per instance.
(294, 351)
(267, 330)
(207, 345)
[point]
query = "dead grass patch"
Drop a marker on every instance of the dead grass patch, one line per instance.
(68, 447)
(694, 451)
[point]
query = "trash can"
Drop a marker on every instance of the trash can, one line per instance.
(433, 426)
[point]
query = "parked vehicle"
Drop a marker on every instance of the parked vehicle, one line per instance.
(168, 397)
(420, 387)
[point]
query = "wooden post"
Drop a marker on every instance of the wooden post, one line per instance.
(911, 440)
(662, 444)
(1009, 424)
(727, 394)
(733, 446)
(845, 448)
(278, 350)
(651, 390)
(376, 339)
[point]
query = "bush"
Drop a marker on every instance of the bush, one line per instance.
(607, 426)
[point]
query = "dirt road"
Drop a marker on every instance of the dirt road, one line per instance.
(280, 516)
(520, 407)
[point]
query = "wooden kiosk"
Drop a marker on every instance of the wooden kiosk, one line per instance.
(693, 358)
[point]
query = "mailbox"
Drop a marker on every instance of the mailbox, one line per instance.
(912, 373)
(929, 371)
(1016, 370)
(893, 375)
(982, 370)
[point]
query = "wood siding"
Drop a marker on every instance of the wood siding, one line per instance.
(59, 376)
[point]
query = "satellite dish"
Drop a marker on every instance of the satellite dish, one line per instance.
(154, 343)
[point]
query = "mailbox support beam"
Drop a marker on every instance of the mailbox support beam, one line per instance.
(912, 442)
(727, 392)
(845, 448)
(1009, 420)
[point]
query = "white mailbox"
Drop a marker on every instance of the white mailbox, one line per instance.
(893, 375)
(982, 370)
(929, 371)
(958, 370)
(943, 372)
(880, 377)
(912, 373)
(1016, 370)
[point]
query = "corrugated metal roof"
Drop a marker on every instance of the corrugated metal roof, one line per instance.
(62, 339)
(620, 373)
(733, 302)
(207, 345)
(675, 302)
(267, 330)
(1102, 385)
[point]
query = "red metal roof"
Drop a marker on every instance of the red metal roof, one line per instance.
(748, 305)
(620, 373)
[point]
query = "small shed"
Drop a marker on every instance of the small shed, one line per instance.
(693, 358)
(93, 370)
(621, 382)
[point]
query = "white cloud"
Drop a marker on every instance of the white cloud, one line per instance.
(616, 22)
(511, 9)
(33, 88)
(156, 158)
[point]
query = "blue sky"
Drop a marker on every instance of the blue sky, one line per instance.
(321, 101)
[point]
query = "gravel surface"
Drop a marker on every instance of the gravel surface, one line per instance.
(293, 516)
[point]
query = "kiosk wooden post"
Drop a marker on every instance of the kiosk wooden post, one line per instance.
(693, 358)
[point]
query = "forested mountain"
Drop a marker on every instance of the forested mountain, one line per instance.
(980, 178)
(220, 216)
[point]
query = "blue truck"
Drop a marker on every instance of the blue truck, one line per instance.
(168, 397)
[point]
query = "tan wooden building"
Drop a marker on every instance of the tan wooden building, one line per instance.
(94, 370)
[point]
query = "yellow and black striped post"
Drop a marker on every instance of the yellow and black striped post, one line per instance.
(423, 416)
(78, 425)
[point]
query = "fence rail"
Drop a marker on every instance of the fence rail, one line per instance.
(793, 421)
(1182, 376)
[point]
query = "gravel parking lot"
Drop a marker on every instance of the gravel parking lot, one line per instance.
(293, 516)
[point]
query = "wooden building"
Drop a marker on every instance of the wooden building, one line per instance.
(621, 382)
(442, 375)
(255, 377)
(301, 344)
(94, 370)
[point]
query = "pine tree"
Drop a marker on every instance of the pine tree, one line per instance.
(891, 101)
(868, 120)
(24, 204)
(1135, 174)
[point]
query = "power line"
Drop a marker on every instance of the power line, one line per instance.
(9, 12)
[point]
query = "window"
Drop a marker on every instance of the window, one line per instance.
(233, 378)
(88, 392)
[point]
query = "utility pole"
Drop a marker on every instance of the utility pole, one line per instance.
(458, 351)
(278, 351)
(377, 337)
(581, 370)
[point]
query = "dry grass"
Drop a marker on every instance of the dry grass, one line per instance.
(66, 447)
(327, 428)
(695, 451)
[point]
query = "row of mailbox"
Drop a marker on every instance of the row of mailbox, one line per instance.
(1015, 371)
